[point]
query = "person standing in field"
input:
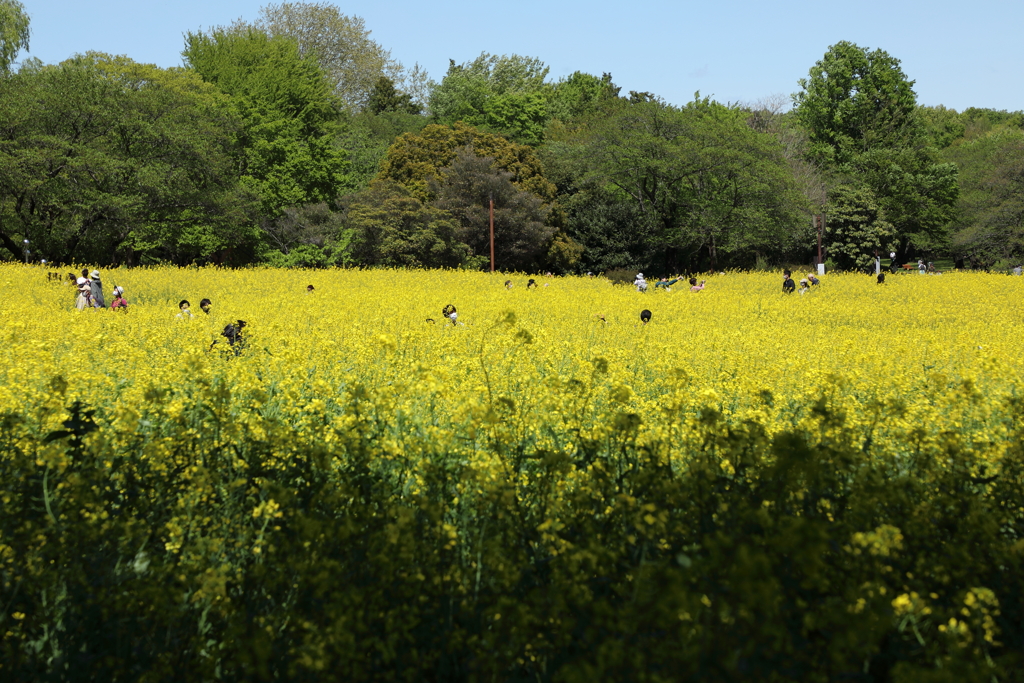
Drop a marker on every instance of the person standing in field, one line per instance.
(119, 302)
(97, 290)
(694, 287)
(666, 283)
(788, 286)
(804, 287)
(813, 279)
(84, 299)
(640, 283)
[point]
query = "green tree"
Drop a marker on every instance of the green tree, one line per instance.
(392, 228)
(14, 32)
(386, 98)
(856, 228)
(414, 158)
(107, 160)
(700, 173)
(351, 61)
(861, 115)
(521, 238)
(290, 118)
(308, 236)
(506, 94)
(989, 225)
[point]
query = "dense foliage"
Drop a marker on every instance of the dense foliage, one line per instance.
(533, 493)
(300, 109)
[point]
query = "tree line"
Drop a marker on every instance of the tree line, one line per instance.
(297, 140)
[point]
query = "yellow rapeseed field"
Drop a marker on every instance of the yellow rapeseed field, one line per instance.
(752, 485)
(912, 361)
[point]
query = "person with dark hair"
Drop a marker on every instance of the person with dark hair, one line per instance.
(184, 312)
(881, 278)
(450, 313)
(205, 305)
(508, 284)
(788, 286)
(310, 289)
(531, 283)
(119, 302)
(645, 316)
(666, 283)
(233, 334)
(694, 287)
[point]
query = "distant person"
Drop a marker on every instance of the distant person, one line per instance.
(205, 305)
(805, 286)
(813, 279)
(310, 289)
(694, 287)
(640, 283)
(451, 314)
(788, 286)
(183, 310)
(233, 334)
(84, 299)
(881, 278)
(1018, 270)
(508, 284)
(531, 283)
(922, 267)
(119, 303)
(666, 283)
(97, 290)
(645, 316)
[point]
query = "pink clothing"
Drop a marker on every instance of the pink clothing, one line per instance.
(696, 288)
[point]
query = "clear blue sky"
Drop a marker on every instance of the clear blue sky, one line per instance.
(960, 54)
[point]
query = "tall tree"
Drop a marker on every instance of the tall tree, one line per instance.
(14, 32)
(340, 44)
(861, 115)
(290, 118)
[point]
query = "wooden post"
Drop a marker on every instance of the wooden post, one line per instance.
(492, 233)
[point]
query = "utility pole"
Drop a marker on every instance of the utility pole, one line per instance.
(492, 233)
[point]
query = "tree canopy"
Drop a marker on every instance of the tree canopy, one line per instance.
(14, 32)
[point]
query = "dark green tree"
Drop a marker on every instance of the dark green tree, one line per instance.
(700, 174)
(107, 160)
(392, 228)
(465, 189)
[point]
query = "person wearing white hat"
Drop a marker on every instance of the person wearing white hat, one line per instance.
(84, 294)
(97, 290)
(119, 301)
(640, 283)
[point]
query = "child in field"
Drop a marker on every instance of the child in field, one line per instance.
(119, 302)
(185, 313)
(694, 287)
(205, 306)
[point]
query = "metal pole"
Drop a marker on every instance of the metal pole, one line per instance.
(492, 233)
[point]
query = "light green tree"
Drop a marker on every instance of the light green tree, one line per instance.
(14, 32)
